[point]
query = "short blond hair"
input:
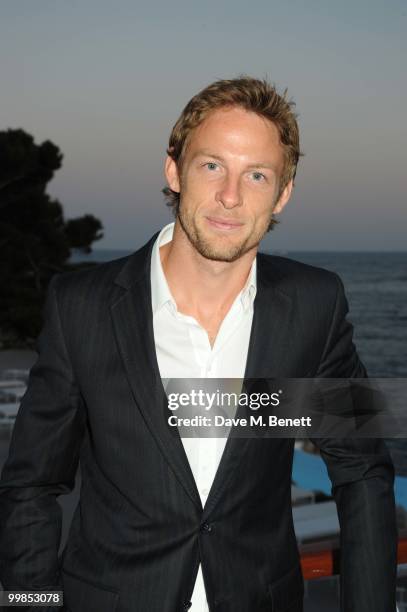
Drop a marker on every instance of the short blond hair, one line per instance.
(254, 95)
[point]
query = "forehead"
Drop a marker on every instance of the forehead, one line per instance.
(238, 132)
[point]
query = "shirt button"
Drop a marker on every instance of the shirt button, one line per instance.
(206, 528)
(204, 492)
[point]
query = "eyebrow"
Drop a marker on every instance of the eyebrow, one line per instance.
(208, 153)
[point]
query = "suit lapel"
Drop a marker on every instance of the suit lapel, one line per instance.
(133, 327)
(266, 359)
(268, 355)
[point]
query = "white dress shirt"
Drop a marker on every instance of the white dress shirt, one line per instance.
(184, 351)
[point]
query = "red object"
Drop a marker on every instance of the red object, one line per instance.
(326, 562)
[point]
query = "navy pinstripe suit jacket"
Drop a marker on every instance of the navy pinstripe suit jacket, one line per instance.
(139, 531)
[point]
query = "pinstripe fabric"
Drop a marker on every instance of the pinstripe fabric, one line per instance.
(139, 531)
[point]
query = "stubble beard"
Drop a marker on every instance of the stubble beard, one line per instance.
(209, 250)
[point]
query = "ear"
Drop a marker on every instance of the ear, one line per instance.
(284, 197)
(171, 174)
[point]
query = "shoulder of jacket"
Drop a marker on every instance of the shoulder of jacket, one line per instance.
(287, 267)
(89, 277)
(296, 275)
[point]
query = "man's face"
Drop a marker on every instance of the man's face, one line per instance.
(229, 183)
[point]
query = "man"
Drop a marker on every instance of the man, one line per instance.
(163, 522)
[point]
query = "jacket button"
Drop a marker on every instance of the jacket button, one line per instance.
(206, 528)
(186, 606)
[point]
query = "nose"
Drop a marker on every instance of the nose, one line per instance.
(229, 193)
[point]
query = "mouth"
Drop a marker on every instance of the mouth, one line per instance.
(224, 224)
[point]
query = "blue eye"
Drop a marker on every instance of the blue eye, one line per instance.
(211, 166)
(258, 176)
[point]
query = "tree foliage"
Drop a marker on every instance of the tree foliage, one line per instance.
(35, 239)
(81, 232)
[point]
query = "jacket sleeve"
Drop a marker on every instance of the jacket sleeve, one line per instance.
(42, 463)
(362, 476)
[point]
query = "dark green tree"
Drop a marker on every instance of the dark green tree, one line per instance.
(35, 239)
(83, 231)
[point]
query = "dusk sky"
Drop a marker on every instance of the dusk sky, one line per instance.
(105, 81)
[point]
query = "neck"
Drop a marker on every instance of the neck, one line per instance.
(201, 287)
